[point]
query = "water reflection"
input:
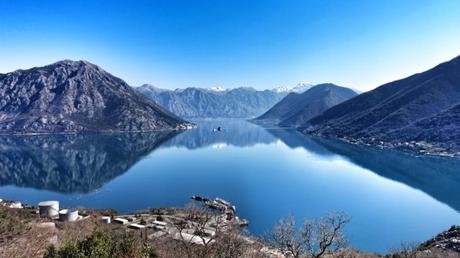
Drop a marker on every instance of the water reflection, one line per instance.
(438, 177)
(234, 132)
(82, 163)
(72, 163)
(267, 173)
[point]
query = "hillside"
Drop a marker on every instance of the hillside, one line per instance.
(295, 109)
(419, 112)
(76, 96)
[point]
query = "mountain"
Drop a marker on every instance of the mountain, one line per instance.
(299, 88)
(421, 112)
(75, 96)
(295, 109)
(243, 102)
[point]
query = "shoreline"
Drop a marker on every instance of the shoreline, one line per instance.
(163, 227)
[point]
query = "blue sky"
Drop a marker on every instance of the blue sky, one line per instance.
(263, 44)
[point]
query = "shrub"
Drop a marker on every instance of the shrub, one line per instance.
(103, 245)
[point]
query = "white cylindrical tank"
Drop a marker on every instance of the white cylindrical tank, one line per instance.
(49, 208)
(105, 219)
(68, 215)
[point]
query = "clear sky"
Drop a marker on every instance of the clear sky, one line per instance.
(231, 43)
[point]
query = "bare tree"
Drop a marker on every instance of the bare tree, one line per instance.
(287, 237)
(405, 250)
(314, 238)
(205, 232)
(195, 232)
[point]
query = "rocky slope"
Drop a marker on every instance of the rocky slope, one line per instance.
(241, 102)
(296, 109)
(420, 113)
(75, 96)
(447, 240)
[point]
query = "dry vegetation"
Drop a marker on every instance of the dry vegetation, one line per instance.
(24, 234)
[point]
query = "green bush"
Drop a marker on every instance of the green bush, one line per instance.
(103, 245)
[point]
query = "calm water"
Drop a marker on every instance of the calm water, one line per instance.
(267, 173)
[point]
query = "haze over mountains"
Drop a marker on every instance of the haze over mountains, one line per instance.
(243, 102)
(424, 108)
(75, 96)
(297, 108)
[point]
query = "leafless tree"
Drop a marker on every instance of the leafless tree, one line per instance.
(196, 223)
(405, 250)
(314, 238)
(213, 236)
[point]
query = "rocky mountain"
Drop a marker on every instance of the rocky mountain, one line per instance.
(241, 102)
(75, 96)
(421, 112)
(297, 108)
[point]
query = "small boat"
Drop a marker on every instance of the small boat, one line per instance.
(218, 129)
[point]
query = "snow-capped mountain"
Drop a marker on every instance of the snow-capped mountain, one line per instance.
(299, 88)
(217, 89)
(242, 102)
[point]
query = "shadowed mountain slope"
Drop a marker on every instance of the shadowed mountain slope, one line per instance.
(296, 109)
(423, 107)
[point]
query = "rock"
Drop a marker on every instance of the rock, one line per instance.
(447, 240)
(47, 225)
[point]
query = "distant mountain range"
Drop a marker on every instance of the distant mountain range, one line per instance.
(421, 112)
(76, 96)
(297, 108)
(243, 102)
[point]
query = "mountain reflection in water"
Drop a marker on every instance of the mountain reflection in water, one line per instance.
(72, 163)
(266, 172)
(438, 177)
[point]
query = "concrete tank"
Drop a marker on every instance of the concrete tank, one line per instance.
(68, 215)
(49, 208)
(105, 219)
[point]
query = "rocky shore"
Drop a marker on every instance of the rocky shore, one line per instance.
(415, 147)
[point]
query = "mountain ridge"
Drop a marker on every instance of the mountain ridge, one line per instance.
(194, 102)
(407, 113)
(76, 96)
(295, 108)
